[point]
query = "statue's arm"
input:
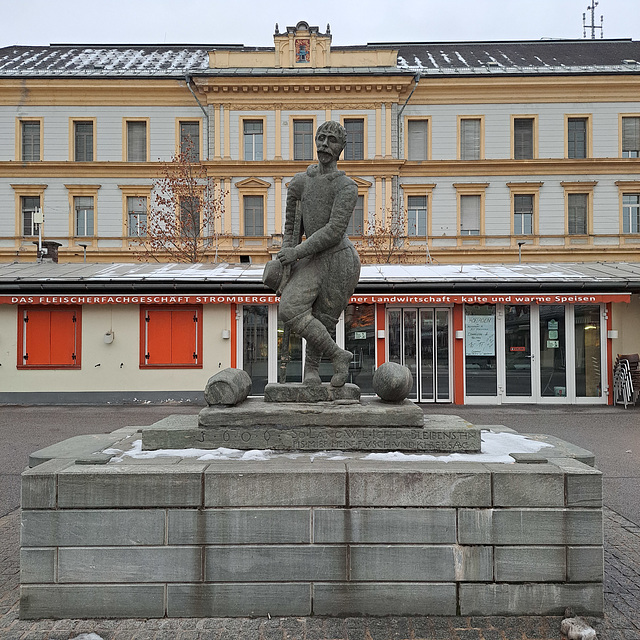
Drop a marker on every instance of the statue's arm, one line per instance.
(294, 194)
(332, 233)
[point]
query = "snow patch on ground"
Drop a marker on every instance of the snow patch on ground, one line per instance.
(496, 447)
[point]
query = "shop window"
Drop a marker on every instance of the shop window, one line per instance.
(172, 337)
(480, 350)
(523, 138)
(523, 214)
(354, 149)
(190, 140)
(253, 134)
(356, 222)
(417, 215)
(49, 337)
(360, 339)
(136, 141)
(588, 351)
(631, 213)
(470, 138)
(255, 345)
(303, 139)
(577, 129)
(631, 137)
(83, 141)
(417, 142)
(30, 140)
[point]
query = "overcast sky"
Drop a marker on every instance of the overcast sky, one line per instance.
(252, 22)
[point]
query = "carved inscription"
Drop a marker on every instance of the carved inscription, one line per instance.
(328, 438)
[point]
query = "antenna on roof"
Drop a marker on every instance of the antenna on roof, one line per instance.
(593, 26)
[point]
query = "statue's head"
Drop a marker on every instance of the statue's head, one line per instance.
(331, 138)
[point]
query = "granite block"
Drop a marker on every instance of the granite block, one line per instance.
(435, 526)
(522, 485)
(384, 599)
(37, 566)
(239, 526)
(99, 527)
(229, 600)
(274, 483)
(530, 564)
(530, 599)
(282, 563)
(99, 601)
(129, 564)
(386, 484)
(39, 488)
(585, 564)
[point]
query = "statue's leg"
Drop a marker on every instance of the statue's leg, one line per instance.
(312, 358)
(321, 343)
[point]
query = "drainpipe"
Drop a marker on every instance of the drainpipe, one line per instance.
(187, 80)
(416, 79)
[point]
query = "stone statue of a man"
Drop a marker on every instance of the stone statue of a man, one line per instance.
(322, 271)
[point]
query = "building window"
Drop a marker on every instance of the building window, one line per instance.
(354, 149)
(190, 140)
(84, 216)
(190, 217)
(30, 136)
(417, 140)
(417, 215)
(303, 139)
(28, 206)
(83, 141)
(577, 210)
(303, 50)
(631, 213)
(631, 137)
(356, 223)
(523, 138)
(171, 337)
(253, 215)
(470, 138)
(577, 138)
(136, 141)
(470, 207)
(523, 214)
(252, 133)
(137, 216)
(49, 337)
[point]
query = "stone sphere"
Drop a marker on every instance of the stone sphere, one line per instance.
(392, 382)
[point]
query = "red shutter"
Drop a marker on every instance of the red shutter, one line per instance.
(50, 337)
(172, 337)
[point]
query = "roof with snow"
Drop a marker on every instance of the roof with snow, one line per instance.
(446, 58)
(612, 277)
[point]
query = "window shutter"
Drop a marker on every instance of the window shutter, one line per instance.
(470, 139)
(136, 141)
(523, 138)
(631, 134)
(470, 215)
(577, 213)
(417, 139)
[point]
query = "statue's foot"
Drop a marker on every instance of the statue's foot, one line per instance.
(341, 362)
(311, 377)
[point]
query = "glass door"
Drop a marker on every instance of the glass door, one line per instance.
(518, 357)
(419, 339)
(553, 352)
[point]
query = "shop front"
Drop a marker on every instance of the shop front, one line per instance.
(127, 333)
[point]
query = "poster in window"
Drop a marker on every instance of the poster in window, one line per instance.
(480, 335)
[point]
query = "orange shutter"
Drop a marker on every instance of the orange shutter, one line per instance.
(50, 337)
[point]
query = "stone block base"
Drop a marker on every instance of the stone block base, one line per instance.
(291, 537)
(296, 392)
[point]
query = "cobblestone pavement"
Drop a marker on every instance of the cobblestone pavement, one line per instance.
(621, 620)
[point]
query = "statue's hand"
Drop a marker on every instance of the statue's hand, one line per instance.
(288, 255)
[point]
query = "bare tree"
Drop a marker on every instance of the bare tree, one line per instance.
(184, 216)
(383, 240)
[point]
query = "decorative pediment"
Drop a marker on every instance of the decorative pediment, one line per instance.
(252, 183)
(362, 184)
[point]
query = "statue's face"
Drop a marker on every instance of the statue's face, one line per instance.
(329, 146)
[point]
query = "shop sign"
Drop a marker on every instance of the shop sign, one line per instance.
(432, 299)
